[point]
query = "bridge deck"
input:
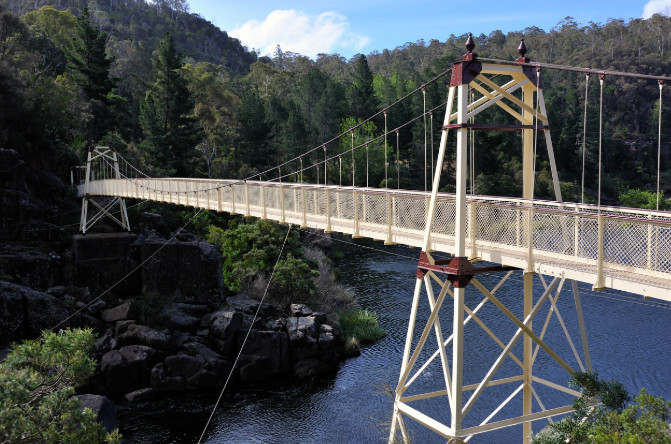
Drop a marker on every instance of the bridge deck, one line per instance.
(631, 248)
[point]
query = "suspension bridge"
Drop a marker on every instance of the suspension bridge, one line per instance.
(553, 243)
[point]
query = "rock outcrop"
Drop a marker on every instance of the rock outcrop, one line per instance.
(24, 313)
(103, 408)
(186, 269)
(190, 346)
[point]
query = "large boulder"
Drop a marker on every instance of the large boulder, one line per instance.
(303, 334)
(298, 310)
(179, 317)
(125, 311)
(187, 271)
(265, 355)
(141, 334)
(24, 313)
(128, 368)
(140, 359)
(213, 362)
(183, 365)
(224, 327)
(203, 378)
(153, 224)
(144, 394)
(103, 408)
(116, 374)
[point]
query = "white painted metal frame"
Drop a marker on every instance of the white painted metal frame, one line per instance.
(453, 376)
(98, 164)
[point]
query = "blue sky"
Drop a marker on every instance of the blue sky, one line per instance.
(349, 27)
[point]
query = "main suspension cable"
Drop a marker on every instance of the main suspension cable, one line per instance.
(576, 69)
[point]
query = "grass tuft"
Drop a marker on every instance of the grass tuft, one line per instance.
(361, 324)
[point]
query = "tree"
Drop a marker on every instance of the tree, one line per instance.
(611, 420)
(361, 94)
(254, 130)
(38, 381)
(166, 115)
(635, 198)
(89, 59)
(216, 110)
(250, 251)
(90, 66)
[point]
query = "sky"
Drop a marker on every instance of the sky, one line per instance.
(350, 27)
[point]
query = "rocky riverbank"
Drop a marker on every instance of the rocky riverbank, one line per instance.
(170, 339)
(164, 320)
(192, 347)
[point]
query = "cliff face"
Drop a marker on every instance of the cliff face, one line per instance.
(34, 204)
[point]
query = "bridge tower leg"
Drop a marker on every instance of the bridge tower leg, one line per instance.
(444, 279)
(102, 163)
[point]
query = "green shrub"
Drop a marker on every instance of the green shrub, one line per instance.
(293, 281)
(634, 198)
(38, 381)
(204, 221)
(215, 236)
(360, 324)
(251, 249)
(645, 420)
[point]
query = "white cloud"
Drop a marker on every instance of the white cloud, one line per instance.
(298, 32)
(657, 6)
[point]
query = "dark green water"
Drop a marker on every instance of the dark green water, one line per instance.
(629, 341)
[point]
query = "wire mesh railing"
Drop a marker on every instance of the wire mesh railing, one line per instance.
(634, 241)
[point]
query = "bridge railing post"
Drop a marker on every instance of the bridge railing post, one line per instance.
(388, 241)
(599, 260)
(576, 233)
(518, 226)
(356, 213)
(649, 246)
(530, 239)
(295, 193)
(303, 202)
(282, 213)
(188, 189)
(233, 199)
(262, 190)
(328, 211)
(472, 228)
(247, 199)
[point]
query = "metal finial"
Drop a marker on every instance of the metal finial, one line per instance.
(522, 49)
(470, 43)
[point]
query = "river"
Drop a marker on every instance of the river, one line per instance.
(629, 341)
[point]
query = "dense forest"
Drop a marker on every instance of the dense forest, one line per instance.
(178, 96)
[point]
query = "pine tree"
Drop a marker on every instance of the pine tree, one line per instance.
(89, 60)
(361, 93)
(166, 116)
(254, 130)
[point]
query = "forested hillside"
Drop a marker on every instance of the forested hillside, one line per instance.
(180, 97)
